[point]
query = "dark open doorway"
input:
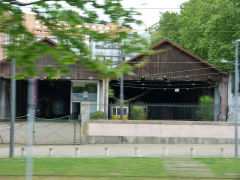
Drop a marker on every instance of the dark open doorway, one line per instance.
(53, 98)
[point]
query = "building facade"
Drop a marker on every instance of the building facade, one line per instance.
(73, 96)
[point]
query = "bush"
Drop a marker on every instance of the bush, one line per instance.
(97, 115)
(205, 110)
(136, 113)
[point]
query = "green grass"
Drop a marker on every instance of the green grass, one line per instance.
(109, 168)
(86, 166)
(223, 168)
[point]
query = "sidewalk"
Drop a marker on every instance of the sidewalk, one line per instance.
(124, 150)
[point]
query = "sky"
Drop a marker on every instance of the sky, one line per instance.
(151, 9)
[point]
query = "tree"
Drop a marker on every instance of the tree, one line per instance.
(205, 110)
(206, 28)
(166, 28)
(71, 47)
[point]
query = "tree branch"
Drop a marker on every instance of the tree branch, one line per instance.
(15, 2)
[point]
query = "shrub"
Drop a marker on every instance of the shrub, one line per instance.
(97, 115)
(205, 110)
(136, 113)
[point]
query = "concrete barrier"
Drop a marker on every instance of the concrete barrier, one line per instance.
(158, 132)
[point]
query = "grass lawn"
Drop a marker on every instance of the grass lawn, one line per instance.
(223, 168)
(86, 166)
(109, 168)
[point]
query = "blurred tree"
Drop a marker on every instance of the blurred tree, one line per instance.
(206, 28)
(71, 46)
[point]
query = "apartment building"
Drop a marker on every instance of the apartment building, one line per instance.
(99, 49)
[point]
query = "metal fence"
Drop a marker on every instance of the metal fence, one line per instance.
(67, 129)
(46, 131)
(136, 111)
(191, 112)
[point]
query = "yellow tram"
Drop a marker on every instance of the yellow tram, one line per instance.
(115, 111)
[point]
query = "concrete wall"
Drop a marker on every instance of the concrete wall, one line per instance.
(231, 109)
(220, 100)
(198, 132)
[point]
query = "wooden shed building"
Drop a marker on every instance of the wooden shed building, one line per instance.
(75, 94)
(173, 78)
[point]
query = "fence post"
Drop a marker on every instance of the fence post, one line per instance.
(136, 151)
(50, 151)
(74, 135)
(22, 151)
(77, 151)
(193, 153)
(222, 152)
(165, 151)
(107, 153)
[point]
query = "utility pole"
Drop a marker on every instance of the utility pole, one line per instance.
(32, 104)
(236, 97)
(121, 91)
(105, 96)
(13, 107)
(106, 99)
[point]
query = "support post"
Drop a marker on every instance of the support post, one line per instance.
(121, 92)
(32, 103)
(236, 97)
(13, 107)
(3, 99)
(106, 99)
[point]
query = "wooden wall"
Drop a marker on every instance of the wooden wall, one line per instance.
(173, 64)
(77, 71)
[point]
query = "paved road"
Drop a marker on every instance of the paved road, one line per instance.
(124, 150)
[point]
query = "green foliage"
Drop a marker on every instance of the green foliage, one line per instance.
(206, 28)
(97, 115)
(136, 113)
(166, 29)
(205, 111)
(71, 46)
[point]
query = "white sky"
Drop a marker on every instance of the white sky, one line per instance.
(150, 9)
(151, 16)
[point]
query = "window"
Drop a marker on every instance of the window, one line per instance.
(124, 111)
(118, 111)
(114, 111)
(84, 91)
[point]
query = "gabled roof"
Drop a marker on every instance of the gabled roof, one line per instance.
(45, 39)
(183, 50)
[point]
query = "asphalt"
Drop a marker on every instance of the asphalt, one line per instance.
(124, 150)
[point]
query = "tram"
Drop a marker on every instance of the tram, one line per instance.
(115, 111)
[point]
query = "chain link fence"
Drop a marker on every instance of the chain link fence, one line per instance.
(67, 129)
(46, 131)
